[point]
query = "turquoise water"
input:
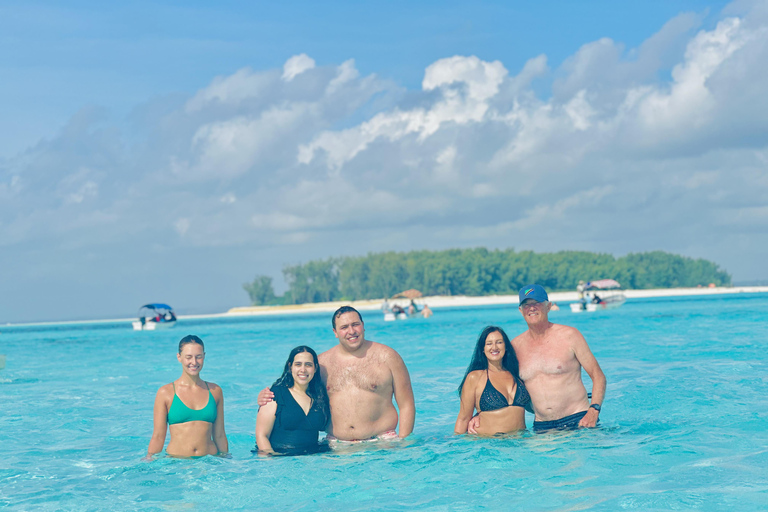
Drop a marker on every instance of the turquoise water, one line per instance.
(684, 421)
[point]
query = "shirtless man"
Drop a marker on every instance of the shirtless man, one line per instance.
(551, 357)
(361, 377)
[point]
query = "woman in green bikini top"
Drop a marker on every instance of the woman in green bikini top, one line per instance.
(192, 409)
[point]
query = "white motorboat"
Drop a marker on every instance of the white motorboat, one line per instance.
(153, 317)
(402, 306)
(598, 295)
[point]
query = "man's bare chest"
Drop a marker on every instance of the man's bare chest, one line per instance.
(545, 359)
(362, 375)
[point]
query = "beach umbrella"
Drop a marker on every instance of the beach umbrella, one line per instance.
(604, 284)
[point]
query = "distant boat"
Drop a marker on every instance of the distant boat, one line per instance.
(403, 306)
(153, 317)
(598, 295)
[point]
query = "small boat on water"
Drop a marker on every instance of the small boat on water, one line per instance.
(402, 306)
(598, 295)
(153, 317)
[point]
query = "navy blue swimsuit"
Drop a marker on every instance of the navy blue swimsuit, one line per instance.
(295, 432)
(493, 399)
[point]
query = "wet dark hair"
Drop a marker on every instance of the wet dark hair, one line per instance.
(316, 390)
(190, 338)
(480, 361)
(341, 311)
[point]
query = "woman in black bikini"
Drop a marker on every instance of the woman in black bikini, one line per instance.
(492, 385)
(290, 424)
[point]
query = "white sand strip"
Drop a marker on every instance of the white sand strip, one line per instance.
(442, 301)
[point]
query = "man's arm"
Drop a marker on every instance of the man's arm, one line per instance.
(401, 382)
(592, 367)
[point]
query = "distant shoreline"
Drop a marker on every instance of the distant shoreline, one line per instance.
(435, 302)
(443, 301)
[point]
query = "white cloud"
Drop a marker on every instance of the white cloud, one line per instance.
(243, 84)
(86, 190)
(346, 73)
(579, 111)
(297, 65)
(689, 102)
(182, 226)
(478, 82)
(231, 147)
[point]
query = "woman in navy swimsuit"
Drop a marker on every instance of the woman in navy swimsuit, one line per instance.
(492, 385)
(290, 424)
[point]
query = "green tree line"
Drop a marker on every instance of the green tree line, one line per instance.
(478, 272)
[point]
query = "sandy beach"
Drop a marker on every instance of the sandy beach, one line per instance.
(443, 301)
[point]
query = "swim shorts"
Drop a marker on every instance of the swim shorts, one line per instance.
(568, 423)
(384, 436)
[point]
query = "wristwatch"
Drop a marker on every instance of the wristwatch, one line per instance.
(595, 407)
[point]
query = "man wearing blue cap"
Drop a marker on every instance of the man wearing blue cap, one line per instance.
(551, 357)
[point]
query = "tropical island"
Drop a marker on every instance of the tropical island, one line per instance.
(478, 272)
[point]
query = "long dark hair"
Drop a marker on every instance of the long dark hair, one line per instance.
(315, 390)
(480, 361)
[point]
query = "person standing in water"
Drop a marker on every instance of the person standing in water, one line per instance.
(192, 409)
(362, 377)
(493, 386)
(290, 424)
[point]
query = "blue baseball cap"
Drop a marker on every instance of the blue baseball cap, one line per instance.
(533, 291)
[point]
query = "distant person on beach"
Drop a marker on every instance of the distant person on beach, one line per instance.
(493, 386)
(426, 312)
(290, 424)
(192, 409)
(362, 377)
(551, 357)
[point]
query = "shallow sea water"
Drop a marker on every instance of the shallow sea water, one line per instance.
(684, 423)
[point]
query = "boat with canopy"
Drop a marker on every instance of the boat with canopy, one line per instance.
(402, 306)
(598, 295)
(153, 317)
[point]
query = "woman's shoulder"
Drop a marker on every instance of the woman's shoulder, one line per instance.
(215, 389)
(279, 390)
(166, 390)
(474, 376)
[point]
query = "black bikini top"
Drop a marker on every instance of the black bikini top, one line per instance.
(493, 399)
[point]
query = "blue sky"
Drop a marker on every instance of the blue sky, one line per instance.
(171, 151)
(58, 57)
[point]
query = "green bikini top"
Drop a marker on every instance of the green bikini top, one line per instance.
(180, 413)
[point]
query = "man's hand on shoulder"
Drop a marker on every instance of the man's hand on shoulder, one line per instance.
(265, 396)
(474, 424)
